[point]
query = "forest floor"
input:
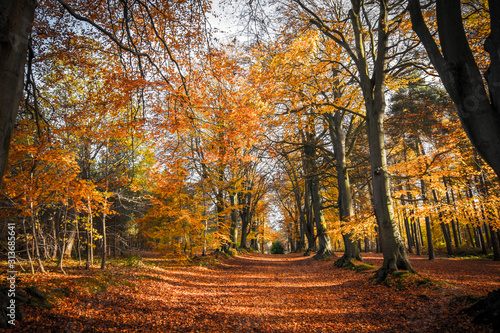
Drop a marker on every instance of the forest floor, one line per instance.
(257, 293)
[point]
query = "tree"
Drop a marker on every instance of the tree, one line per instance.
(15, 24)
(369, 51)
(478, 104)
(132, 42)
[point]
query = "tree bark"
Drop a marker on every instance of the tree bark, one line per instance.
(481, 239)
(392, 244)
(312, 180)
(346, 209)
(16, 18)
(234, 220)
(478, 112)
(309, 226)
(496, 245)
(470, 236)
(430, 245)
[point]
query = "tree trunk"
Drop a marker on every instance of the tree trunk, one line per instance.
(16, 18)
(78, 245)
(324, 242)
(234, 220)
(470, 236)
(455, 235)
(87, 247)
(478, 112)
(444, 228)
(245, 214)
(309, 226)
(55, 236)
(393, 248)
(104, 242)
(487, 232)
(496, 245)
(430, 245)
(28, 247)
(71, 240)
(309, 158)
(301, 227)
(346, 209)
(481, 238)
(408, 235)
(63, 246)
(416, 240)
(373, 88)
(446, 235)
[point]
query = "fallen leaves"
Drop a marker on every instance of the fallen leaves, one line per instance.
(259, 293)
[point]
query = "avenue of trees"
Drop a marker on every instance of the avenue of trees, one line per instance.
(341, 126)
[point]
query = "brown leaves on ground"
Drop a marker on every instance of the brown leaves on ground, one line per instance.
(260, 293)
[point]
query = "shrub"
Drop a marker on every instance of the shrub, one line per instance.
(277, 248)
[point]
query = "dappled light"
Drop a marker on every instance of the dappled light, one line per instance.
(260, 293)
(249, 166)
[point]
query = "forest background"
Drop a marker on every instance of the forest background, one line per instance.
(321, 125)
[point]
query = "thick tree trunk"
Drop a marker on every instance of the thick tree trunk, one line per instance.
(392, 244)
(408, 234)
(312, 180)
(301, 227)
(61, 253)
(446, 235)
(16, 18)
(71, 240)
(244, 232)
(324, 242)
(471, 238)
(309, 226)
(478, 112)
(373, 88)
(496, 245)
(346, 209)
(245, 199)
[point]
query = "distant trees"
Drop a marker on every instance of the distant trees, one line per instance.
(138, 130)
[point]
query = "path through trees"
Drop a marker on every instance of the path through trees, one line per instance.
(263, 293)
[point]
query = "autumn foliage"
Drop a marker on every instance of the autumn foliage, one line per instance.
(143, 130)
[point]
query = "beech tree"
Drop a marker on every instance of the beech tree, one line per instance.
(143, 33)
(16, 17)
(477, 102)
(367, 44)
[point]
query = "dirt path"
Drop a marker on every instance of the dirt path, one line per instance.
(264, 293)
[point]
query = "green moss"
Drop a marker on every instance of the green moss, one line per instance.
(358, 268)
(363, 268)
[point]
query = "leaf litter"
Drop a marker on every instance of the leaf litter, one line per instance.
(261, 293)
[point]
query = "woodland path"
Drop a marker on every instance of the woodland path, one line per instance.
(267, 293)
